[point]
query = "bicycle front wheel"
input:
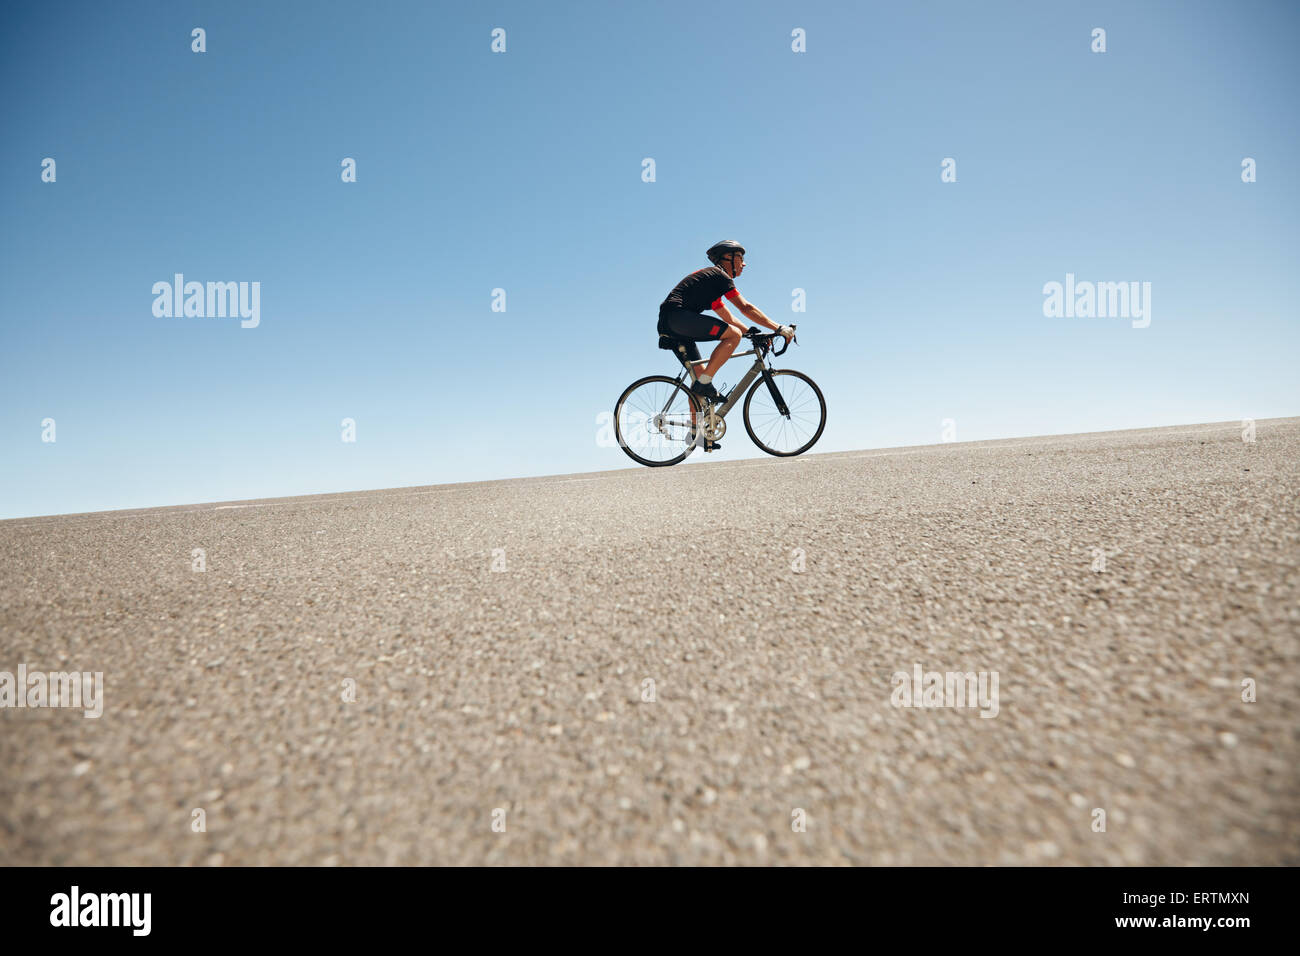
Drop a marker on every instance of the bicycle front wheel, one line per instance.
(654, 421)
(777, 432)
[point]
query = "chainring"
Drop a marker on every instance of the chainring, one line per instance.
(714, 426)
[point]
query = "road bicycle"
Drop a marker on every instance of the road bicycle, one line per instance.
(658, 421)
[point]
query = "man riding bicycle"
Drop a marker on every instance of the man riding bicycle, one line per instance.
(681, 314)
(662, 420)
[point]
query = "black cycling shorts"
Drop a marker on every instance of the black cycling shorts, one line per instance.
(693, 327)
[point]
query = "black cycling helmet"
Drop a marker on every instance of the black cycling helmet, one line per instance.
(727, 247)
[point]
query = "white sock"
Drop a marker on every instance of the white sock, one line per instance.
(705, 379)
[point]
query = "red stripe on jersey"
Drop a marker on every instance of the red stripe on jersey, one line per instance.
(733, 293)
(715, 303)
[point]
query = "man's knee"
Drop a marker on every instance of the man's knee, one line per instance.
(730, 334)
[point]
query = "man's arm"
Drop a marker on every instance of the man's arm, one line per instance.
(724, 314)
(751, 311)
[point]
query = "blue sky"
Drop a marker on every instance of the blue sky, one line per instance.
(522, 171)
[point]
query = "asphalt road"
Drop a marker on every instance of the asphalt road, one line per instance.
(770, 602)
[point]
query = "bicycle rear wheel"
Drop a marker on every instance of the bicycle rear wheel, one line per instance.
(779, 434)
(654, 421)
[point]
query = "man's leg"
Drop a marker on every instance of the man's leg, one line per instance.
(730, 339)
(691, 354)
(694, 327)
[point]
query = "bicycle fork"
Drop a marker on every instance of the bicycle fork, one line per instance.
(776, 393)
(757, 369)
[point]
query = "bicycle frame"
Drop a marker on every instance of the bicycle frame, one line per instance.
(757, 369)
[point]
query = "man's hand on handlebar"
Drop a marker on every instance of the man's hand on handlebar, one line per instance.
(758, 335)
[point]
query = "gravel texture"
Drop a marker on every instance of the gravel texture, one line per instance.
(770, 602)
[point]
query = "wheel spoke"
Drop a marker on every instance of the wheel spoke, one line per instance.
(780, 434)
(653, 421)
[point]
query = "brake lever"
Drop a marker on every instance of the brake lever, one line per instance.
(785, 343)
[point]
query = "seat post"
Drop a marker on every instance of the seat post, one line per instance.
(675, 345)
(690, 369)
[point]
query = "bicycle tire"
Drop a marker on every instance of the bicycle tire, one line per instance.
(618, 430)
(821, 402)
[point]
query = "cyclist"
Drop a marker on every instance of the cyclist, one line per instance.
(680, 314)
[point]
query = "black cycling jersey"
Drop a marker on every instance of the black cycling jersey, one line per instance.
(702, 289)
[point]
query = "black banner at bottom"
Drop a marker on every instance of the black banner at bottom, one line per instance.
(937, 905)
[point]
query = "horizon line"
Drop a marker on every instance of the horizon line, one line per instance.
(234, 503)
